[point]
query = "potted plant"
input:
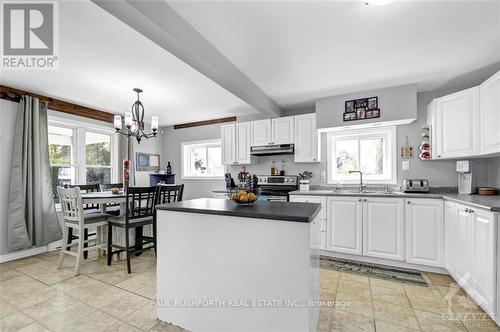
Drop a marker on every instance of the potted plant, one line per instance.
(304, 180)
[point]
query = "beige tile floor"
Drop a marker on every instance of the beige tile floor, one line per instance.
(36, 297)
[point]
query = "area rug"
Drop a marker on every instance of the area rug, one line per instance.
(374, 270)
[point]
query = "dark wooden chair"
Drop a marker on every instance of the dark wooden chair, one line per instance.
(114, 208)
(140, 211)
(169, 193)
(90, 212)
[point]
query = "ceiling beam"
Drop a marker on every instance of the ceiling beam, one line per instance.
(160, 23)
(205, 123)
(58, 105)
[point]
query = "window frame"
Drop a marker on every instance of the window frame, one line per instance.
(389, 134)
(184, 162)
(79, 149)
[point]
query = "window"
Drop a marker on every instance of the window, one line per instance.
(370, 151)
(202, 159)
(80, 153)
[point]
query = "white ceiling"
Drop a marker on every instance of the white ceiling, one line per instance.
(103, 59)
(299, 51)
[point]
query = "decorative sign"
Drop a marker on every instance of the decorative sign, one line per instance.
(147, 162)
(361, 109)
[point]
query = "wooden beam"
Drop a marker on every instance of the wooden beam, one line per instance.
(205, 123)
(58, 105)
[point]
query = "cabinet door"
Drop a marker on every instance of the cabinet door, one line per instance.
(383, 228)
(282, 130)
(260, 132)
(457, 132)
(450, 237)
(424, 231)
(463, 248)
(344, 225)
(490, 115)
(306, 139)
(243, 143)
(483, 251)
(228, 139)
(316, 240)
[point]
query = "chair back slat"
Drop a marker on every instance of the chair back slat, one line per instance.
(169, 193)
(87, 188)
(140, 202)
(71, 204)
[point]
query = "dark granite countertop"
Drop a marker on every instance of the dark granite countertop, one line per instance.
(485, 202)
(288, 211)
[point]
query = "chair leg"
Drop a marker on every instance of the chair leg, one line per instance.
(127, 251)
(109, 253)
(138, 240)
(70, 237)
(85, 245)
(98, 240)
(80, 251)
(63, 247)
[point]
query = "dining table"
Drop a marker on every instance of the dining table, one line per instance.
(103, 199)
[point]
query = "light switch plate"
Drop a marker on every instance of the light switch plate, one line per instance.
(405, 165)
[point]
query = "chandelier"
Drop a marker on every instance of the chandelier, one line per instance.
(134, 122)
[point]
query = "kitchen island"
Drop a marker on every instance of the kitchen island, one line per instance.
(223, 267)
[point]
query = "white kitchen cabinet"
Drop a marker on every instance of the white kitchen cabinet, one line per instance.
(283, 130)
(483, 265)
(424, 231)
(463, 247)
(318, 229)
(383, 228)
(306, 139)
(235, 139)
(489, 92)
(242, 152)
(455, 124)
(344, 225)
(451, 243)
(260, 132)
(228, 141)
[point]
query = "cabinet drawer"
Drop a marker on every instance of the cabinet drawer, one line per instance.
(312, 199)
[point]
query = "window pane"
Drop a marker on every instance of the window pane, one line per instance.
(61, 176)
(346, 156)
(198, 161)
(60, 145)
(215, 167)
(98, 149)
(98, 175)
(372, 159)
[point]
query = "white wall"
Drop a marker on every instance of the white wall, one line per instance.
(152, 145)
(8, 110)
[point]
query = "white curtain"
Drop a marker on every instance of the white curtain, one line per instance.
(32, 218)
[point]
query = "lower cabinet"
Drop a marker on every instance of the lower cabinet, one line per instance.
(383, 228)
(344, 225)
(425, 232)
(318, 227)
(471, 241)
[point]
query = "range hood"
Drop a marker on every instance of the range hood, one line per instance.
(267, 150)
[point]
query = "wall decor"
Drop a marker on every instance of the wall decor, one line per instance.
(360, 109)
(147, 162)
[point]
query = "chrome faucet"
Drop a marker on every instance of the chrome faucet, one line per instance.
(361, 185)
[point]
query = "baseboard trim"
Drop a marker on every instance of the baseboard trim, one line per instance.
(30, 252)
(382, 261)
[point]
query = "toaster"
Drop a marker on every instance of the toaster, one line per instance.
(415, 186)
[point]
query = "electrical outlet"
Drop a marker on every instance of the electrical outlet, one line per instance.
(405, 165)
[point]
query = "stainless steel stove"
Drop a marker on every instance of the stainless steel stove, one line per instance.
(277, 188)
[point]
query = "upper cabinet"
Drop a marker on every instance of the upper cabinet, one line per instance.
(306, 139)
(235, 140)
(283, 131)
(260, 132)
(455, 125)
(489, 95)
(465, 124)
(273, 131)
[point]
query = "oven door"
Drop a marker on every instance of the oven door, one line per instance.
(278, 198)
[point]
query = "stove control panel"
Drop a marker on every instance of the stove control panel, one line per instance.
(277, 180)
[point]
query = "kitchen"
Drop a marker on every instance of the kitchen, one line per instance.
(335, 167)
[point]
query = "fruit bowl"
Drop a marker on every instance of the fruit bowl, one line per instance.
(243, 197)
